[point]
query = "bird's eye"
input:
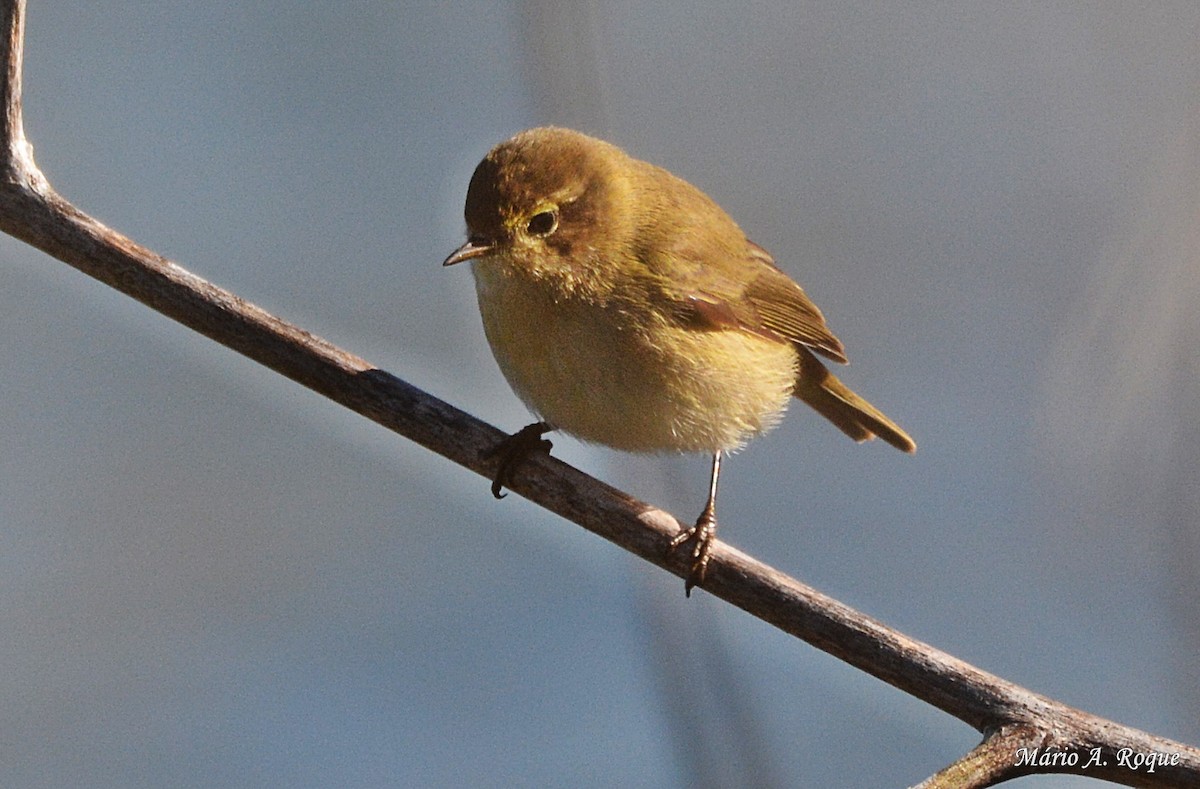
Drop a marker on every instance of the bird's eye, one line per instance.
(542, 223)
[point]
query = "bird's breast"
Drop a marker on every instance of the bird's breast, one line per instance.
(620, 374)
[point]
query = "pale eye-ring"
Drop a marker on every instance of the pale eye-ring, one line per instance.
(543, 223)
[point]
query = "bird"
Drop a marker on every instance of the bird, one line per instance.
(626, 308)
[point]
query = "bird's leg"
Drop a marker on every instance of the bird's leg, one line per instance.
(513, 450)
(704, 532)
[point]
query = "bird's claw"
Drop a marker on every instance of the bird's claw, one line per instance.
(513, 451)
(704, 533)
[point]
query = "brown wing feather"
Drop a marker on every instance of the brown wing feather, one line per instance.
(719, 278)
(784, 307)
(767, 302)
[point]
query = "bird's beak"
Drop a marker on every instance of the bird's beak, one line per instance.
(474, 248)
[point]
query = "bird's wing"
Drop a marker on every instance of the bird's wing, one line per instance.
(754, 295)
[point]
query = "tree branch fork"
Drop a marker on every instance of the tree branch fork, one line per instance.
(1023, 732)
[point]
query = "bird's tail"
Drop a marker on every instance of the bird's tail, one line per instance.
(835, 401)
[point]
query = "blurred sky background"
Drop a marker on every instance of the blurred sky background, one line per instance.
(213, 577)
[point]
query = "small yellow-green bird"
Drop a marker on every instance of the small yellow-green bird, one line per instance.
(626, 308)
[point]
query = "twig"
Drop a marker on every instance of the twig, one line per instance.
(1026, 733)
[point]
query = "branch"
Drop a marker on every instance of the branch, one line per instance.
(1025, 732)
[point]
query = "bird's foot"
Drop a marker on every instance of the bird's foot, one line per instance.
(513, 451)
(704, 533)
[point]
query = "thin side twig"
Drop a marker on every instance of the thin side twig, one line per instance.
(1027, 732)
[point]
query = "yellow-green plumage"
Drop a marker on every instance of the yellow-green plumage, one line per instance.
(626, 308)
(619, 374)
(647, 320)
